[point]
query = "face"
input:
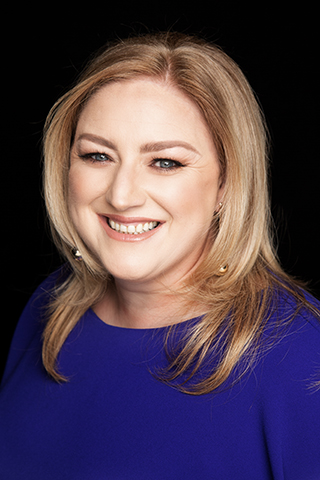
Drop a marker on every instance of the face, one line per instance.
(144, 181)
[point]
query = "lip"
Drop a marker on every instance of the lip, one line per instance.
(130, 220)
(124, 237)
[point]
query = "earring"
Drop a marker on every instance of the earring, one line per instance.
(223, 270)
(76, 254)
(220, 205)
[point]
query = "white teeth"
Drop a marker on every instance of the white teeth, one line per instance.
(131, 229)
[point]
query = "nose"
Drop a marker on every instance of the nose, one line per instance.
(125, 190)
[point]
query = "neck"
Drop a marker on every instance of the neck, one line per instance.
(132, 306)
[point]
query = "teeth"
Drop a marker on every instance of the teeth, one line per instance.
(131, 229)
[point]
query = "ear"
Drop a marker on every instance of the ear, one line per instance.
(221, 190)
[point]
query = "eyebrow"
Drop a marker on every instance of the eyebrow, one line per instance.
(157, 146)
(148, 147)
(96, 139)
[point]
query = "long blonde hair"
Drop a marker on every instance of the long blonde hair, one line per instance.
(240, 233)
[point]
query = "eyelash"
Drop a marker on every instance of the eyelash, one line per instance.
(174, 163)
(89, 156)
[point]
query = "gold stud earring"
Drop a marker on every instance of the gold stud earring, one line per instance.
(223, 270)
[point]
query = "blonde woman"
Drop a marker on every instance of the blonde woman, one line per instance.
(171, 345)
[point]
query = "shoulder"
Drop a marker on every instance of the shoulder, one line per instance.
(36, 306)
(32, 319)
(286, 382)
(291, 342)
(294, 315)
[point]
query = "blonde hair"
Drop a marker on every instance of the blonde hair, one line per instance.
(240, 233)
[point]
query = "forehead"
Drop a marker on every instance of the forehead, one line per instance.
(144, 104)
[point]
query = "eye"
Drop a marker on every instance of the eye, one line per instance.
(95, 157)
(100, 157)
(166, 164)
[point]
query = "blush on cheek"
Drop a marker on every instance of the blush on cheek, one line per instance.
(80, 187)
(73, 182)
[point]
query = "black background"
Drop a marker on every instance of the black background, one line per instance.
(43, 52)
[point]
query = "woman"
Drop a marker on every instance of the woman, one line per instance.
(173, 345)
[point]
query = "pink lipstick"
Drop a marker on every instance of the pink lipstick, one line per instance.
(129, 229)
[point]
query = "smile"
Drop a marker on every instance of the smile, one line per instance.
(132, 229)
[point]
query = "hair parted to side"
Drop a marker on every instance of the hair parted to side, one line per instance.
(242, 236)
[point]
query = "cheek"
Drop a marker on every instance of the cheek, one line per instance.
(197, 196)
(75, 184)
(83, 187)
(80, 196)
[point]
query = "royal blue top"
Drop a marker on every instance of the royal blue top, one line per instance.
(114, 420)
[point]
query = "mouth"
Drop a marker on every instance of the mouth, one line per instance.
(129, 229)
(132, 228)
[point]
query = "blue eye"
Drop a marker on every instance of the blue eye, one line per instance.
(99, 157)
(95, 157)
(167, 164)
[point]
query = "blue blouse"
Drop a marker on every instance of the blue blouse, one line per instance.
(114, 420)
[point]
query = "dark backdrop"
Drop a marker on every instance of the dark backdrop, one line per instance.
(42, 53)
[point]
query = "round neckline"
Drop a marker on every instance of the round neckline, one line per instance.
(143, 330)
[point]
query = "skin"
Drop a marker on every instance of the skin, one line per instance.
(142, 152)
